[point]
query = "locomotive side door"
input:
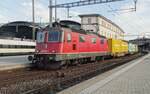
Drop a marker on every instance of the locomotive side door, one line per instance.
(70, 43)
(74, 42)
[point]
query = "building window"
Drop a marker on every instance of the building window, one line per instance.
(107, 34)
(102, 41)
(93, 40)
(103, 23)
(81, 38)
(114, 29)
(89, 21)
(100, 32)
(116, 36)
(109, 26)
(68, 37)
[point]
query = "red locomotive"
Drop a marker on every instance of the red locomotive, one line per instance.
(66, 43)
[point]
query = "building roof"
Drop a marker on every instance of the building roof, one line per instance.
(101, 16)
(67, 23)
(1, 24)
(21, 23)
(24, 30)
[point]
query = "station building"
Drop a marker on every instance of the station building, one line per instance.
(18, 29)
(1, 24)
(102, 25)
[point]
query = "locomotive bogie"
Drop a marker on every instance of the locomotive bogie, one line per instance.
(43, 61)
(62, 57)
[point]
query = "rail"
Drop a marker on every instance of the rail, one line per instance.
(32, 81)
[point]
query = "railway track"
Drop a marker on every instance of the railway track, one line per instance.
(44, 82)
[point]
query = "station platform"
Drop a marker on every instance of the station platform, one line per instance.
(130, 78)
(13, 62)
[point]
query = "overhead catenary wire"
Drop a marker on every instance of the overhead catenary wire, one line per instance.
(118, 19)
(81, 3)
(126, 10)
(137, 28)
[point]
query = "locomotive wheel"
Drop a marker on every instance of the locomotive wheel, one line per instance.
(65, 64)
(39, 65)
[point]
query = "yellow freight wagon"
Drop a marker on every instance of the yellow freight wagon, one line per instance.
(124, 47)
(117, 47)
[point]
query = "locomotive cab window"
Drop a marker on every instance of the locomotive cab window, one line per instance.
(53, 36)
(40, 37)
(81, 38)
(93, 40)
(68, 37)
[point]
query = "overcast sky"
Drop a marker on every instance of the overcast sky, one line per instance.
(135, 23)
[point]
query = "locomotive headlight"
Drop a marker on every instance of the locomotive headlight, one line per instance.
(37, 51)
(53, 51)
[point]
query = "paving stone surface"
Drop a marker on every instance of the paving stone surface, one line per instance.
(131, 78)
(134, 81)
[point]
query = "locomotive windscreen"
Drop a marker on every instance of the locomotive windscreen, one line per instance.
(40, 37)
(53, 36)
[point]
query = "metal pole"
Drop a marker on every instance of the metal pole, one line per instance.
(68, 11)
(55, 11)
(17, 28)
(33, 18)
(135, 1)
(50, 14)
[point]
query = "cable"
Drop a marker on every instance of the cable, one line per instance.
(125, 25)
